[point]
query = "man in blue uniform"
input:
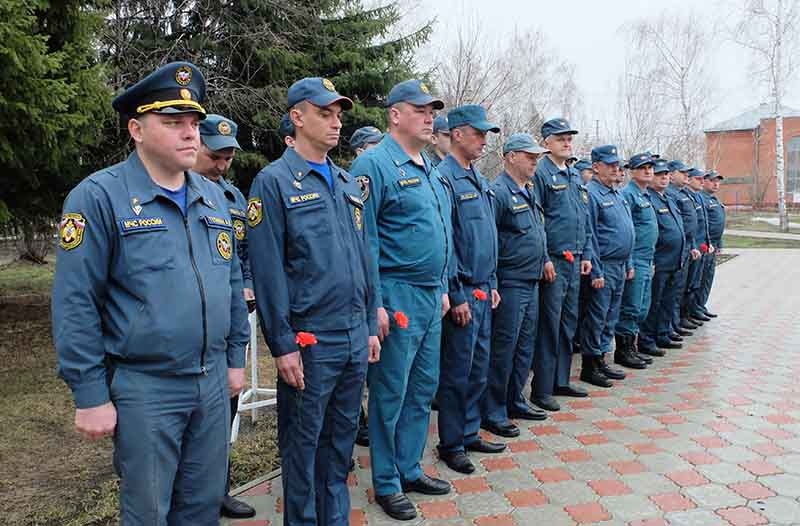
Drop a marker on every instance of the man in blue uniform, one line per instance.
(694, 313)
(668, 260)
(523, 246)
(440, 140)
(715, 211)
(679, 191)
(149, 321)
(286, 130)
(636, 295)
(311, 272)
(407, 221)
(217, 149)
(365, 138)
(612, 266)
(473, 292)
(565, 200)
(584, 168)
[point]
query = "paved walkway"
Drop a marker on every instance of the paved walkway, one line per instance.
(709, 435)
(763, 235)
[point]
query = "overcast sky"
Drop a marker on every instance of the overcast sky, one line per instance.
(588, 34)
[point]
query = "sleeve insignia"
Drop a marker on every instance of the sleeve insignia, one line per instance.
(254, 212)
(224, 245)
(363, 183)
(70, 231)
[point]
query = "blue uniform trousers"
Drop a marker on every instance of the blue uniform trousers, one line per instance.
(709, 270)
(513, 326)
(602, 311)
(317, 428)
(636, 299)
(693, 282)
(656, 326)
(402, 385)
(681, 286)
(558, 319)
(463, 375)
(171, 445)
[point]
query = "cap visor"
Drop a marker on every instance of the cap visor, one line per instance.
(485, 126)
(533, 149)
(425, 100)
(175, 110)
(326, 100)
(220, 142)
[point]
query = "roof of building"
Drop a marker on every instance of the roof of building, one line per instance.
(750, 119)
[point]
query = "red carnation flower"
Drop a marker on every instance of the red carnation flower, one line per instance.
(703, 248)
(568, 256)
(479, 295)
(304, 339)
(401, 319)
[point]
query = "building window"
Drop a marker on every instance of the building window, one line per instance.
(793, 165)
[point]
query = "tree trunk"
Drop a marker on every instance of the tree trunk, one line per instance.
(36, 238)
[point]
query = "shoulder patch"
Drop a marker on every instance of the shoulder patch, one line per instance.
(254, 212)
(363, 183)
(70, 231)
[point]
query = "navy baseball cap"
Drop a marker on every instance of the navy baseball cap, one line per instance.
(365, 135)
(582, 165)
(661, 166)
(471, 115)
(557, 127)
(608, 154)
(177, 87)
(712, 175)
(286, 127)
(696, 172)
(318, 91)
(522, 142)
(677, 166)
(414, 92)
(639, 160)
(440, 125)
(218, 133)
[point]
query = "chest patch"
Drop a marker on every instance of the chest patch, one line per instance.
(516, 209)
(302, 199)
(141, 224)
(469, 196)
(409, 182)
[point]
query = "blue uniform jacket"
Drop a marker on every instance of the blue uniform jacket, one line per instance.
(566, 214)
(308, 252)
(140, 285)
(237, 206)
(701, 235)
(645, 223)
(474, 230)
(671, 238)
(520, 231)
(612, 227)
(683, 198)
(407, 217)
(715, 211)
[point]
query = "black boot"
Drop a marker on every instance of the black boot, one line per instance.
(591, 375)
(643, 352)
(606, 370)
(623, 354)
(362, 436)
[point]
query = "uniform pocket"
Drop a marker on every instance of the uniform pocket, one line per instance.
(220, 239)
(146, 244)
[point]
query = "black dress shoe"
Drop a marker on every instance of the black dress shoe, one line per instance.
(362, 436)
(434, 405)
(427, 486)
(701, 317)
(571, 390)
(547, 403)
(397, 506)
(482, 446)
(236, 509)
(675, 337)
(458, 461)
(629, 360)
(688, 325)
(507, 430)
(710, 314)
(528, 414)
(651, 351)
(668, 345)
(683, 332)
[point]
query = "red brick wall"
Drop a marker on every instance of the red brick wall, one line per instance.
(732, 154)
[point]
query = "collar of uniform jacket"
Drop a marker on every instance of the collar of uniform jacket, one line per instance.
(227, 187)
(142, 189)
(603, 189)
(300, 168)
(550, 167)
(459, 172)
(509, 181)
(399, 156)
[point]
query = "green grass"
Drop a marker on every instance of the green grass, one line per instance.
(743, 220)
(21, 278)
(757, 242)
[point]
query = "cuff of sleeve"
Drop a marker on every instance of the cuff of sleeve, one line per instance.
(285, 344)
(372, 325)
(236, 357)
(456, 298)
(91, 394)
(248, 284)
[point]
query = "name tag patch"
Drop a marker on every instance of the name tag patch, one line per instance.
(558, 187)
(412, 181)
(235, 212)
(141, 224)
(468, 196)
(302, 199)
(607, 204)
(519, 208)
(663, 210)
(217, 222)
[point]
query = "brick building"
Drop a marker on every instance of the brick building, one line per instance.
(742, 149)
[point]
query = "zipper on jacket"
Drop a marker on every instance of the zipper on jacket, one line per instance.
(202, 297)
